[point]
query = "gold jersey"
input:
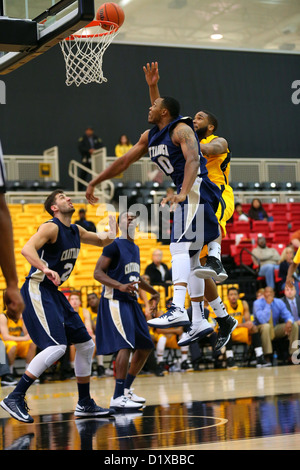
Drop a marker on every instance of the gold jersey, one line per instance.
(238, 312)
(218, 166)
(14, 327)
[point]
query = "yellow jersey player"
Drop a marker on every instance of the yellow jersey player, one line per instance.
(18, 343)
(245, 332)
(216, 151)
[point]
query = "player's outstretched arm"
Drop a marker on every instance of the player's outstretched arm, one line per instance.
(99, 238)
(12, 294)
(118, 166)
(152, 78)
(215, 147)
(289, 277)
(47, 233)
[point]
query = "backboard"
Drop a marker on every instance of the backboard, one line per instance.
(29, 28)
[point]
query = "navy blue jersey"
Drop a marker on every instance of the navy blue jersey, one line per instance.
(169, 157)
(124, 267)
(59, 256)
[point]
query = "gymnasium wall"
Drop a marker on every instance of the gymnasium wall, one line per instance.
(251, 93)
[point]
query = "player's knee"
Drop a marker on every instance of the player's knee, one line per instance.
(196, 286)
(83, 358)
(179, 248)
(85, 348)
(54, 354)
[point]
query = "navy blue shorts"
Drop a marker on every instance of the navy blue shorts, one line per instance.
(49, 317)
(121, 325)
(195, 220)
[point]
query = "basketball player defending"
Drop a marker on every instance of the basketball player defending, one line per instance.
(215, 149)
(121, 324)
(173, 145)
(49, 318)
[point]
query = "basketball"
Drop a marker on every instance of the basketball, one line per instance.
(110, 12)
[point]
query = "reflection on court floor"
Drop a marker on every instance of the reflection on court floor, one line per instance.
(170, 426)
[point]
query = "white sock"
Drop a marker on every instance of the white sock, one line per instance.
(100, 360)
(179, 295)
(258, 351)
(184, 353)
(160, 348)
(197, 312)
(229, 353)
(214, 249)
(218, 307)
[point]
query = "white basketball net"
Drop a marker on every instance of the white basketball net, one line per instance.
(83, 54)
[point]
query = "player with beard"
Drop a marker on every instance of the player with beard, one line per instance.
(50, 320)
(215, 149)
(218, 156)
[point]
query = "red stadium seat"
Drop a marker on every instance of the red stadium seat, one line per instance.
(277, 226)
(261, 226)
(294, 226)
(293, 206)
(277, 207)
(268, 236)
(241, 256)
(281, 237)
(279, 247)
(279, 217)
(241, 227)
(226, 244)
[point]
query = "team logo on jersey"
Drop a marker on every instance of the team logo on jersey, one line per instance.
(132, 267)
(71, 253)
(157, 150)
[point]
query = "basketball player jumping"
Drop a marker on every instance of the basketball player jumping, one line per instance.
(121, 324)
(174, 147)
(217, 155)
(50, 320)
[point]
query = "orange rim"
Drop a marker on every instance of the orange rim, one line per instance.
(93, 24)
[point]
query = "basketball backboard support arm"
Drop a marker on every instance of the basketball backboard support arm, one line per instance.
(49, 31)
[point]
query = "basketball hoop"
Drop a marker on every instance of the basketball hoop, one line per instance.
(83, 52)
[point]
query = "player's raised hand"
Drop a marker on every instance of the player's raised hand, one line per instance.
(153, 302)
(89, 194)
(151, 73)
(173, 200)
(113, 227)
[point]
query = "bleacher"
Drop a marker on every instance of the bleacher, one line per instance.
(240, 240)
(27, 189)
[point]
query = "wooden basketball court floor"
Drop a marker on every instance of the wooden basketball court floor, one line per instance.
(247, 409)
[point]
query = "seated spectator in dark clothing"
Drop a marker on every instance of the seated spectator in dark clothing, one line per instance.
(285, 261)
(256, 211)
(158, 271)
(292, 302)
(87, 224)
